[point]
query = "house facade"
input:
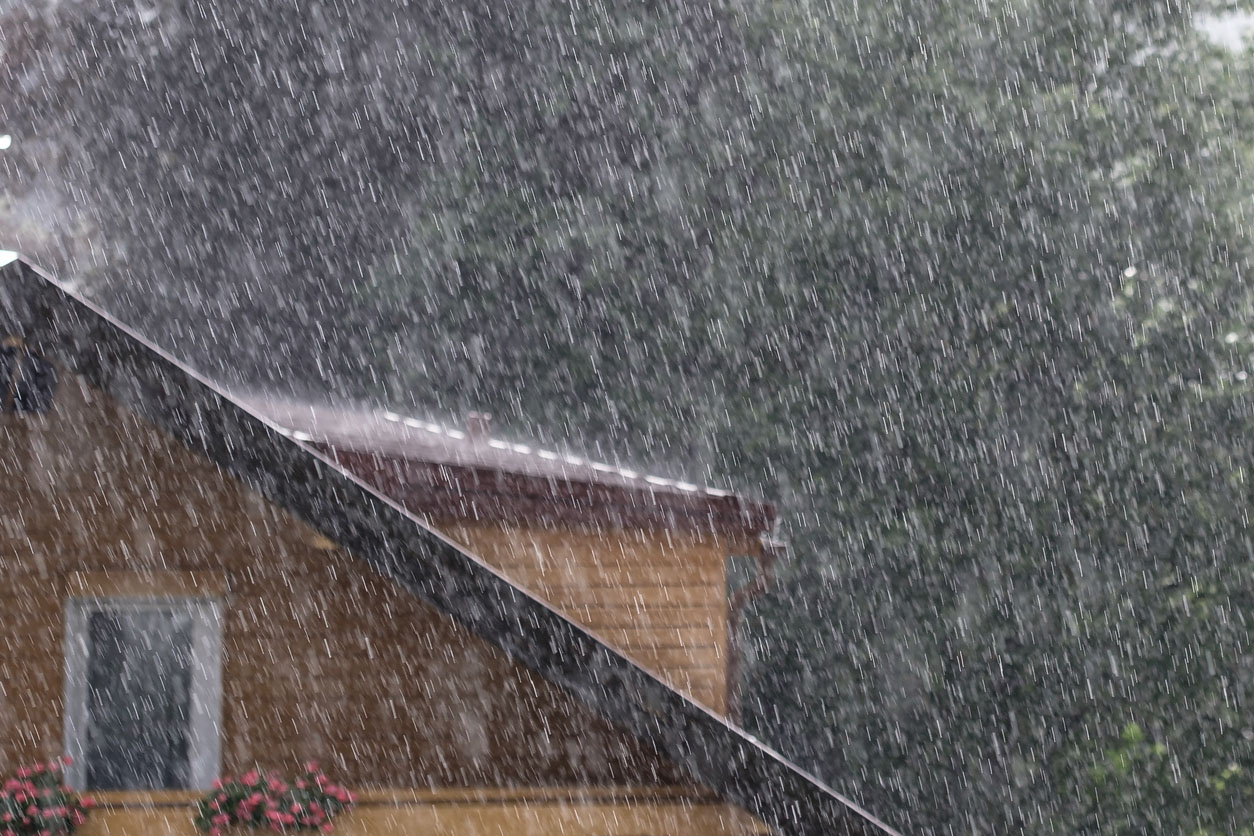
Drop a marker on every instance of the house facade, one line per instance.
(197, 586)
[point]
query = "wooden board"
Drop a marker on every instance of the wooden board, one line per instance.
(467, 815)
(659, 597)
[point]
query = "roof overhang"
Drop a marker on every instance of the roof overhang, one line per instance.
(441, 491)
(87, 342)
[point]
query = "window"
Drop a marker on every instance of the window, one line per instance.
(143, 692)
(27, 382)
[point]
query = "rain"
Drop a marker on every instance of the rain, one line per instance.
(576, 417)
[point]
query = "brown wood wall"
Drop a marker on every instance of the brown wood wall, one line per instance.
(658, 812)
(323, 659)
(660, 597)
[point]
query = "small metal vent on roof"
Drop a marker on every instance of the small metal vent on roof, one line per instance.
(478, 426)
(27, 381)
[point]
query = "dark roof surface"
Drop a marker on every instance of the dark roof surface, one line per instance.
(86, 341)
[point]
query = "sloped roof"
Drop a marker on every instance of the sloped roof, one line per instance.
(362, 428)
(441, 471)
(88, 342)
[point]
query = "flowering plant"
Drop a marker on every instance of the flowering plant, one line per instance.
(309, 802)
(38, 803)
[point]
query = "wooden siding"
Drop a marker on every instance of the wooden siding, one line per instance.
(466, 813)
(660, 597)
(323, 659)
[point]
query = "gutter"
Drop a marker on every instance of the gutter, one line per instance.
(773, 547)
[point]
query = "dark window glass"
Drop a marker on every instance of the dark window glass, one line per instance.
(27, 382)
(138, 699)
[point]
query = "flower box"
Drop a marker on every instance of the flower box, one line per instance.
(309, 802)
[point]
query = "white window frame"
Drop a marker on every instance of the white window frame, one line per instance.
(204, 740)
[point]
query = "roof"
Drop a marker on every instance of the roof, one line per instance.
(440, 471)
(87, 342)
(364, 428)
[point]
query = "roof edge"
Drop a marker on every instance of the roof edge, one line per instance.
(437, 489)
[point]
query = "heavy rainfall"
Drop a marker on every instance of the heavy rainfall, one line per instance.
(883, 366)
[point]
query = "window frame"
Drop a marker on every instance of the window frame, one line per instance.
(204, 743)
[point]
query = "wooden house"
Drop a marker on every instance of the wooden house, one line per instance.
(481, 638)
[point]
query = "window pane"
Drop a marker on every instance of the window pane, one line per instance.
(138, 699)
